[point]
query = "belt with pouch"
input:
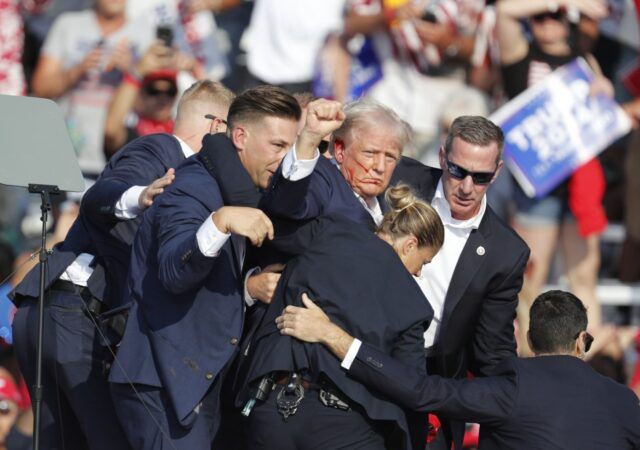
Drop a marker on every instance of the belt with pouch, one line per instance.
(291, 389)
(115, 320)
(329, 395)
(94, 305)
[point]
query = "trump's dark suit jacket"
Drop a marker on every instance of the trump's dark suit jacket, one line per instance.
(361, 283)
(188, 308)
(542, 403)
(323, 192)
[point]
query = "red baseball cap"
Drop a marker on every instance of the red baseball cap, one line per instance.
(163, 74)
(9, 390)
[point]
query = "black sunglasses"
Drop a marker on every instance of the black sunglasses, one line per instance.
(212, 117)
(588, 340)
(461, 173)
(151, 91)
(557, 16)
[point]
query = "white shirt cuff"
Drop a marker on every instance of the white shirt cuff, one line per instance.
(354, 348)
(128, 206)
(210, 239)
(249, 301)
(294, 169)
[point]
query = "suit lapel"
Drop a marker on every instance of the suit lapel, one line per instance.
(238, 250)
(472, 257)
(367, 220)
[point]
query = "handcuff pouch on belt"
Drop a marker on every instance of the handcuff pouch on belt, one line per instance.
(290, 397)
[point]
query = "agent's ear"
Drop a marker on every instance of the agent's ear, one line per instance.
(581, 344)
(338, 150)
(409, 245)
(495, 175)
(442, 157)
(218, 126)
(239, 135)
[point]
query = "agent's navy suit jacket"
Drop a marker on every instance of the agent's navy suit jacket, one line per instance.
(542, 403)
(361, 283)
(187, 315)
(97, 231)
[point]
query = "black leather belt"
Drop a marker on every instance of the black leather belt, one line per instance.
(329, 394)
(282, 378)
(94, 305)
(66, 286)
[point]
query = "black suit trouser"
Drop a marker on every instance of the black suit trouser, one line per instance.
(313, 427)
(77, 411)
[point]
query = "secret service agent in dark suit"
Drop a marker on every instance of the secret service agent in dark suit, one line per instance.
(477, 324)
(75, 375)
(336, 258)
(186, 283)
(551, 401)
(76, 395)
(474, 281)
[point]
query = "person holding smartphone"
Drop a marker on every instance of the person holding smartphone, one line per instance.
(144, 101)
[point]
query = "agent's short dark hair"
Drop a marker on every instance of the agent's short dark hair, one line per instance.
(475, 130)
(555, 320)
(263, 101)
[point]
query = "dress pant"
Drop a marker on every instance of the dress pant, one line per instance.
(313, 427)
(77, 412)
(150, 422)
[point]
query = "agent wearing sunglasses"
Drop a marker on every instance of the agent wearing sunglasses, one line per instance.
(473, 282)
(569, 218)
(551, 401)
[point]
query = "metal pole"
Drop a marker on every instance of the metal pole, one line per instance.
(37, 389)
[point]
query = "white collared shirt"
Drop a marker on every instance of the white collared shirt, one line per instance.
(372, 207)
(436, 276)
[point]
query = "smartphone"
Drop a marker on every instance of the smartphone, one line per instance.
(429, 16)
(165, 34)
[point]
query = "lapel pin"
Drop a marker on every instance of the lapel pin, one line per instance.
(480, 250)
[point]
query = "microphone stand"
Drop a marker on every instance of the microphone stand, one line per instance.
(45, 192)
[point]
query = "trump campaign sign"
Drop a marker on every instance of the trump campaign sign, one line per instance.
(555, 126)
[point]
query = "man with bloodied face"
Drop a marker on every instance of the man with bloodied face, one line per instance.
(366, 149)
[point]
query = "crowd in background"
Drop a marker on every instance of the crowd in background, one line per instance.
(116, 68)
